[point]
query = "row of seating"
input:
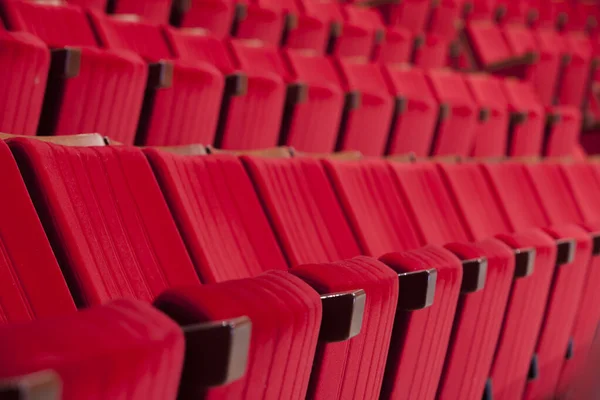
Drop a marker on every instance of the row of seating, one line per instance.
(483, 286)
(255, 96)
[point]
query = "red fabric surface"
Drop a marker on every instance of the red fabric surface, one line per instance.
(24, 64)
(214, 16)
(123, 349)
(303, 209)
(456, 134)
(284, 336)
(420, 338)
(157, 11)
(354, 369)
(373, 114)
(105, 96)
(31, 283)
(415, 124)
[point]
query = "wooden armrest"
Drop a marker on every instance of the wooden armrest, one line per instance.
(66, 62)
(565, 251)
(81, 140)
(595, 243)
(474, 275)
(160, 75)
(524, 262)
(185, 150)
(236, 84)
(342, 315)
(44, 385)
(417, 289)
(217, 352)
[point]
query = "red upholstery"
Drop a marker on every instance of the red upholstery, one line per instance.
(562, 138)
(103, 94)
(364, 356)
(584, 186)
(487, 42)
(30, 281)
(544, 73)
(264, 20)
(114, 236)
(492, 130)
(574, 79)
(24, 64)
(311, 31)
(420, 338)
(412, 14)
(416, 111)
(374, 214)
(99, 5)
(124, 349)
(456, 131)
(157, 11)
(483, 217)
(432, 52)
(192, 85)
(318, 232)
(525, 139)
(203, 191)
(215, 16)
(312, 124)
(528, 208)
(285, 314)
(465, 370)
(370, 109)
(445, 18)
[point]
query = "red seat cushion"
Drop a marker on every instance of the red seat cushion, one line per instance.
(31, 283)
(125, 348)
(157, 11)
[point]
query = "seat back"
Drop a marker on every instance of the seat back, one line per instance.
(369, 108)
(157, 11)
(215, 16)
(456, 129)
(99, 5)
(141, 37)
(57, 25)
(94, 204)
(492, 129)
(415, 114)
(370, 199)
(303, 209)
(526, 133)
(31, 282)
(487, 42)
(197, 47)
(218, 214)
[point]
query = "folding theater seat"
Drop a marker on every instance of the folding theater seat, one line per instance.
(481, 308)
(431, 51)
(253, 101)
(202, 190)
(534, 129)
(457, 120)
(311, 227)
(176, 89)
(41, 330)
(114, 236)
(445, 18)
(412, 14)
(99, 5)
(368, 109)
(549, 180)
(24, 64)
(123, 349)
(314, 102)
(89, 89)
(485, 216)
(157, 11)
(415, 111)
(584, 186)
(492, 129)
(527, 209)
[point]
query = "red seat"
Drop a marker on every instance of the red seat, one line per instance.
(24, 64)
(314, 104)
(527, 114)
(99, 5)
(492, 130)
(368, 110)
(457, 120)
(215, 16)
(89, 89)
(412, 14)
(312, 227)
(466, 370)
(125, 348)
(115, 237)
(527, 209)
(157, 11)
(446, 18)
(431, 51)
(415, 113)
(484, 216)
(172, 81)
